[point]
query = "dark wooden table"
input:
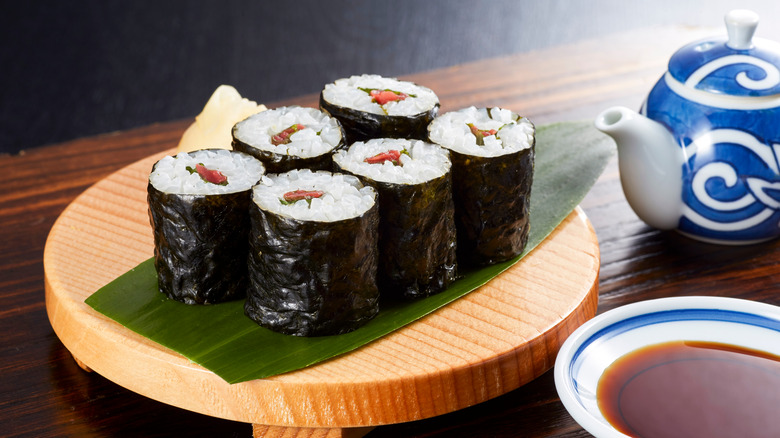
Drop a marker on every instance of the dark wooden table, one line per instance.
(43, 392)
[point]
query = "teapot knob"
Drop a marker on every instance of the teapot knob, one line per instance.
(740, 25)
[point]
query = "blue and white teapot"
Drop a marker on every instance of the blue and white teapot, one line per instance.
(703, 157)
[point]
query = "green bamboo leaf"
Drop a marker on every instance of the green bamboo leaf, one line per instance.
(569, 158)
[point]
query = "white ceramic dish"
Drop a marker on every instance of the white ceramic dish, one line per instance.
(595, 345)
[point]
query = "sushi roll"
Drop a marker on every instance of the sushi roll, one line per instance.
(313, 253)
(198, 208)
(371, 106)
(416, 229)
(492, 152)
(289, 138)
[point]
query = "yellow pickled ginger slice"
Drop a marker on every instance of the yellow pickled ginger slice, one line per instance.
(212, 126)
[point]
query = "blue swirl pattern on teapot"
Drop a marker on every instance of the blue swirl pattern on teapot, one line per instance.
(722, 106)
(731, 176)
(715, 67)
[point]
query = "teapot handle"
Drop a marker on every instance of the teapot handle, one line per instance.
(741, 25)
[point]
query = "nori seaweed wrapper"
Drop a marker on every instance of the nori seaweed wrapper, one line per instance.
(361, 126)
(280, 163)
(310, 278)
(417, 237)
(492, 198)
(200, 244)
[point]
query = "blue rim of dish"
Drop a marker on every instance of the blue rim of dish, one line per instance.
(674, 315)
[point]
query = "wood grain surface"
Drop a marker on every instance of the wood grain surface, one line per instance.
(490, 342)
(43, 392)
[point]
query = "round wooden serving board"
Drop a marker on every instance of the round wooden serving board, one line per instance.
(485, 344)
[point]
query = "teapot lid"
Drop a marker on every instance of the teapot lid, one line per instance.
(739, 65)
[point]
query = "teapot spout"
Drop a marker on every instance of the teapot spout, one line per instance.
(650, 164)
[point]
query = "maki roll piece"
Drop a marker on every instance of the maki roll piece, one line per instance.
(289, 138)
(371, 106)
(198, 208)
(492, 152)
(313, 253)
(417, 248)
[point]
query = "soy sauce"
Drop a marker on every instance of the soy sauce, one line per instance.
(692, 389)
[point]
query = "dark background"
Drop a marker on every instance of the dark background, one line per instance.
(75, 68)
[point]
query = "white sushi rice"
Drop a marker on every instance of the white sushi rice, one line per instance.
(346, 93)
(321, 133)
(344, 198)
(170, 174)
(422, 162)
(451, 130)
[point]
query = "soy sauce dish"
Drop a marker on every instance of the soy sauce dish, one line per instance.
(683, 366)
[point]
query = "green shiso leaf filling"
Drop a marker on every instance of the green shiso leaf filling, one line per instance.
(208, 175)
